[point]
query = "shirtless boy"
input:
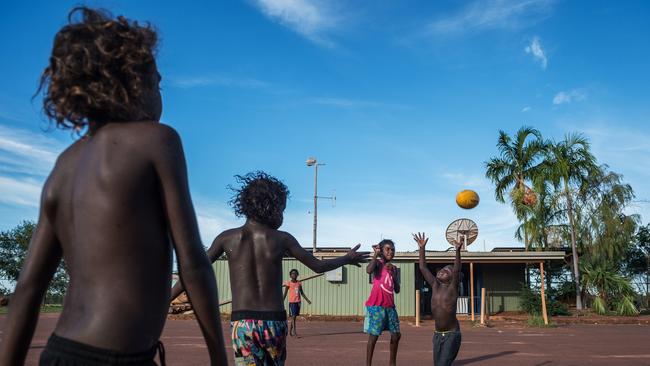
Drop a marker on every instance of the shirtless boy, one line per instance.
(444, 288)
(254, 252)
(115, 203)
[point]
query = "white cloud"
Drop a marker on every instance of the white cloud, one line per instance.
(625, 150)
(355, 103)
(20, 191)
(208, 80)
(25, 160)
(569, 96)
(525, 109)
(493, 14)
(312, 19)
(214, 217)
(24, 150)
(535, 49)
(470, 181)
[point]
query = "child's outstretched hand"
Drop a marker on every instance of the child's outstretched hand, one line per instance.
(376, 250)
(355, 257)
(421, 239)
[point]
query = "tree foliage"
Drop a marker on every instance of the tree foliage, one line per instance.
(517, 164)
(579, 203)
(14, 245)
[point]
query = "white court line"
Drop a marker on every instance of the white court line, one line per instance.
(621, 356)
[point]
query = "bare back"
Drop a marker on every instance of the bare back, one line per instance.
(254, 255)
(105, 203)
(443, 305)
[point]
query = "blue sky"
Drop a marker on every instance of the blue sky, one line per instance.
(402, 100)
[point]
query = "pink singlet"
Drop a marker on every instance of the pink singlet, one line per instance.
(382, 288)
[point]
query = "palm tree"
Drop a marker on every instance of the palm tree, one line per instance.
(544, 220)
(570, 164)
(543, 216)
(517, 163)
(610, 288)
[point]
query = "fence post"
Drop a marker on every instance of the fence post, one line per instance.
(417, 308)
(482, 305)
(471, 288)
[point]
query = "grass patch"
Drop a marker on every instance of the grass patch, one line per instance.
(477, 324)
(536, 321)
(50, 308)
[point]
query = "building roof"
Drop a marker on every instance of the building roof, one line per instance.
(498, 255)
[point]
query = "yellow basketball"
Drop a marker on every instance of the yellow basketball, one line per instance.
(467, 199)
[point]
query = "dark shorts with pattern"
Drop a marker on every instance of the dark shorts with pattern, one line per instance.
(379, 318)
(61, 351)
(259, 338)
(445, 347)
(294, 309)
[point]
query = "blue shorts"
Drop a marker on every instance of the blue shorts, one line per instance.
(379, 318)
(294, 309)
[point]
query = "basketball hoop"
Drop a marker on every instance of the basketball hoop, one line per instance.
(462, 230)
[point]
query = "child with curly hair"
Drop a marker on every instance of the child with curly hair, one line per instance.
(114, 207)
(254, 252)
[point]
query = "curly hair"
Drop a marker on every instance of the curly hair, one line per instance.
(100, 70)
(260, 197)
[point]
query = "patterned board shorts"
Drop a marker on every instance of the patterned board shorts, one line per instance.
(259, 342)
(379, 318)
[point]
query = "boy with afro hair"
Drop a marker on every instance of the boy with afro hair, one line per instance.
(254, 252)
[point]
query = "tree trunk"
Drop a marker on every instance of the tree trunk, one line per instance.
(647, 281)
(526, 246)
(550, 265)
(574, 249)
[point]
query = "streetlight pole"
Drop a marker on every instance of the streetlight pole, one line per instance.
(313, 162)
(315, 206)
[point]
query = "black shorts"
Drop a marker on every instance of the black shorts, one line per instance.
(445, 347)
(61, 351)
(294, 309)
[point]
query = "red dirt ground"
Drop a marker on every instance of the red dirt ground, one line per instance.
(342, 343)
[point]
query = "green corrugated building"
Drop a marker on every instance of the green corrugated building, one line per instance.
(500, 271)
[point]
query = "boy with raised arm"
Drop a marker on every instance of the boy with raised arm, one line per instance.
(444, 294)
(254, 252)
(113, 207)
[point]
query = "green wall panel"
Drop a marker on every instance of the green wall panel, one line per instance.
(332, 298)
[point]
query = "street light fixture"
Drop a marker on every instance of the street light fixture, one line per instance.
(311, 161)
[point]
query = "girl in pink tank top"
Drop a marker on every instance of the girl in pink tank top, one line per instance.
(380, 307)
